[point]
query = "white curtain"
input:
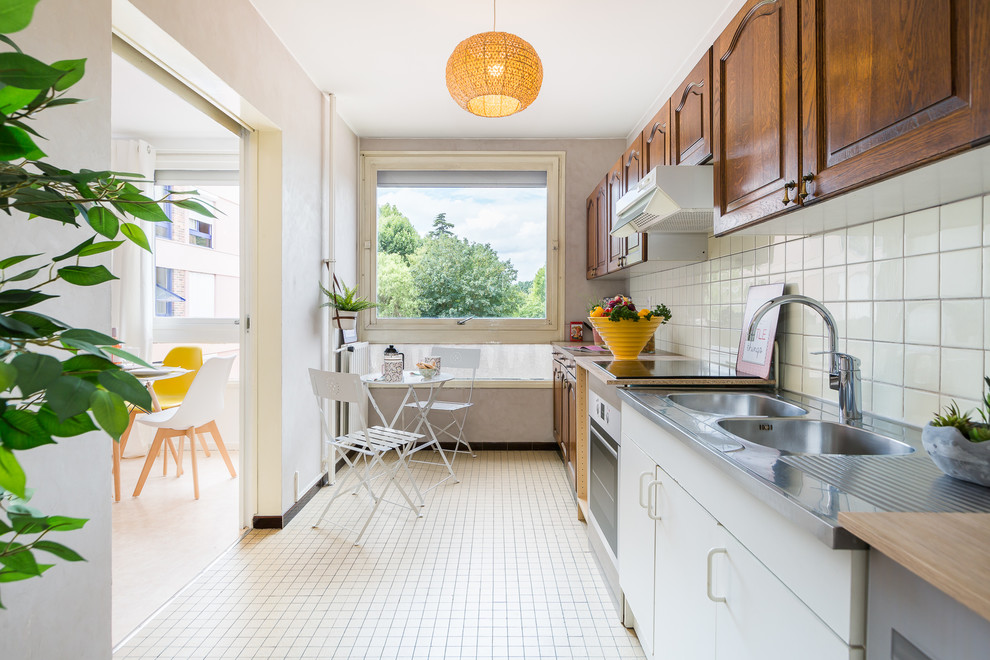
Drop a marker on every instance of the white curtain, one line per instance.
(133, 307)
(134, 293)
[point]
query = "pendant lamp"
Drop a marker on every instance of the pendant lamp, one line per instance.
(494, 74)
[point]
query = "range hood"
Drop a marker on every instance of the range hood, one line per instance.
(674, 199)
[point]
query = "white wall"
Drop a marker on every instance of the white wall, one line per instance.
(232, 40)
(346, 180)
(67, 613)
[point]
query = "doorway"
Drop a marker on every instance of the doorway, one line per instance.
(186, 294)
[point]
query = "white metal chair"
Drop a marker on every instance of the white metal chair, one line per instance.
(455, 359)
(368, 445)
(197, 413)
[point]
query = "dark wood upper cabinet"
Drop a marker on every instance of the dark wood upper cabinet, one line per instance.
(601, 267)
(756, 113)
(592, 228)
(890, 84)
(656, 140)
(691, 117)
(616, 247)
(633, 170)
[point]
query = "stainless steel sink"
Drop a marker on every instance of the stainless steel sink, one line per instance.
(737, 404)
(811, 436)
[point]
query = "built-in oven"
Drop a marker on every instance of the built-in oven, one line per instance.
(604, 445)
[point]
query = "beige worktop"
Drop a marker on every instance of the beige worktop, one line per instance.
(947, 550)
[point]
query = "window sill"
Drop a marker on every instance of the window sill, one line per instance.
(490, 384)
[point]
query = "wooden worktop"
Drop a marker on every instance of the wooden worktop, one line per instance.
(950, 551)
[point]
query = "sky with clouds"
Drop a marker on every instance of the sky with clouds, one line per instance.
(512, 220)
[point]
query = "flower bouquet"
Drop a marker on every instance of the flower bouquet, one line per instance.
(626, 329)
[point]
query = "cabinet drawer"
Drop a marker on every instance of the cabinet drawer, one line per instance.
(831, 582)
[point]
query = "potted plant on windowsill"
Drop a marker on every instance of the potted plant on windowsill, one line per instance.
(959, 446)
(345, 305)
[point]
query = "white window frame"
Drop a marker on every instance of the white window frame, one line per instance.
(506, 331)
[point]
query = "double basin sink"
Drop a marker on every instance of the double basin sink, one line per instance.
(777, 424)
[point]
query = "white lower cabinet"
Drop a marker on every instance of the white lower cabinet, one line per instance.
(685, 617)
(637, 537)
(695, 591)
(760, 619)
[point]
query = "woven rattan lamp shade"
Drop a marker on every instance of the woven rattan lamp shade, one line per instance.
(494, 74)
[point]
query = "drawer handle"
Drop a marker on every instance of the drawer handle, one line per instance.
(711, 555)
(650, 499)
(642, 489)
(790, 185)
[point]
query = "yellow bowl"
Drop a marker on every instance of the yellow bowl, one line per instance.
(625, 338)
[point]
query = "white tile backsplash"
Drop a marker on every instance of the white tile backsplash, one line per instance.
(917, 317)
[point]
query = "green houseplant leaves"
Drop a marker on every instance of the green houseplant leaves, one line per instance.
(56, 382)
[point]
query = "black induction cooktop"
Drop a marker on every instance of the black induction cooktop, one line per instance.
(669, 369)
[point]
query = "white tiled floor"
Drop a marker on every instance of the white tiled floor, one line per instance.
(497, 568)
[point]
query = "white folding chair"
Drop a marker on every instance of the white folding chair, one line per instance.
(456, 360)
(367, 445)
(197, 413)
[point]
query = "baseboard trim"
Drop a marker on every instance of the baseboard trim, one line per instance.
(505, 446)
(279, 522)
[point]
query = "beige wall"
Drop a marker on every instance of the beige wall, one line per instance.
(67, 613)
(587, 162)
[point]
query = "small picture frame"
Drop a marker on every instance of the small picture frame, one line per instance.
(577, 331)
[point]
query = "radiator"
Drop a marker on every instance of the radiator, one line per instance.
(355, 359)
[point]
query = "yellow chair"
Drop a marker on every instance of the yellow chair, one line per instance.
(171, 391)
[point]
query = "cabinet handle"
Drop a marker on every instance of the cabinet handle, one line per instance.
(650, 499)
(711, 555)
(790, 185)
(805, 180)
(642, 490)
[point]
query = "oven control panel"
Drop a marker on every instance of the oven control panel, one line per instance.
(605, 414)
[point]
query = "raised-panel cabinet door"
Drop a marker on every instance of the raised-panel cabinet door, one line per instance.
(601, 267)
(760, 618)
(558, 402)
(889, 84)
(691, 116)
(616, 246)
(592, 234)
(572, 430)
(637, 536)
(633, 171)
(685, 616)
(656, 140)
(755, 72)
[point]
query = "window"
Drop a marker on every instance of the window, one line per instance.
(164, 229)
(165, 297)
(457, 246)
(201, 233)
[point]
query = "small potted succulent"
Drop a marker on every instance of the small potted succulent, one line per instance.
(958, 445)
(626, 329)
(345, 306)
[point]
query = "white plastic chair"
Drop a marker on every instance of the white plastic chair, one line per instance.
(368, 445)
(197, 413)
(456, 360)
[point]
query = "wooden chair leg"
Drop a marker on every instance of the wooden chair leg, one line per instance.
(202, 442)
(176, 456)
(156, 445)
(191, 434)
(127, 431)
(215, 432)
(116, 470)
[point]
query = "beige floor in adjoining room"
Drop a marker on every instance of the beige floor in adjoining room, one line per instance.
(165, 537)
(498, 567)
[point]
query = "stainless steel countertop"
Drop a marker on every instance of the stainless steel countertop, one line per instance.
(811, 490)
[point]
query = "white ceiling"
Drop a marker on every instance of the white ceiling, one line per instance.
(140, 108)
(605, 62)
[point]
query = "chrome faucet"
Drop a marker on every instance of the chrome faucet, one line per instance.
(844, 376)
